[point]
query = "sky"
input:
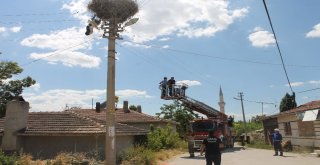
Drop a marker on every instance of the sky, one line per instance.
(204, 43)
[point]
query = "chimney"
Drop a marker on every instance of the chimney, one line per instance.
(139, 109)
(125, 107)
(98, 107)
(15, 120)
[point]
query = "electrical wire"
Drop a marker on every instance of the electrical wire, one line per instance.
(222, 58)
(309, 90)
(274, 34)
(36, 14)
(34, 22)
(55, 53)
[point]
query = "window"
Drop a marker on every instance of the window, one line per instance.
(306, 128)
(287, 129)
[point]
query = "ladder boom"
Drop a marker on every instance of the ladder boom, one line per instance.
(199, 106)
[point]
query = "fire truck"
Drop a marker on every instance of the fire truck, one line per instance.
(199, 128)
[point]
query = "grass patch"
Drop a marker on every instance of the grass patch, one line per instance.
(259, 144)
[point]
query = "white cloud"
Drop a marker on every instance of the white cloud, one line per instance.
(78, 9)
(183, 18)
(69, 58)
(58, 40)
(131, 44)
(313, 82)
(296, 84)
(66, 45)
(164, 39)
(16, 29)
(189, 82)
(132, 93)
(261, 38)
(315, 32)
(56, 100)
(35, 86)
(165, 46)
(305, 97)
(2, 29)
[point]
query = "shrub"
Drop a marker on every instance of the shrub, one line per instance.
(163, 138)
(138, 155)
(62, 159)
(6, 159)
(25, 159)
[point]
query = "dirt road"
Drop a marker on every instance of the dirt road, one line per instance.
(250, 156)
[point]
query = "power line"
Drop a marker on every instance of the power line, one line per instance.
(36, 14)
(224, 58)
(42, 21)
(55, 53)
(309, 90)
(274, 34)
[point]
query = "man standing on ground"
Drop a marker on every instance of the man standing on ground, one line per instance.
(277, 139)
(212, 144)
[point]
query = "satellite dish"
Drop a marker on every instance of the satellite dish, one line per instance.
(131, 22)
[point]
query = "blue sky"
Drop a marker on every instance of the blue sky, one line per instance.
(205, 43)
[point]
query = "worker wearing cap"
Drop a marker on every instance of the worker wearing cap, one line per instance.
(212, 144)
(277, 139)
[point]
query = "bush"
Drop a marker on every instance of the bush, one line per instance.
(25, 160)
(138, 155)
(163, 138)
(6, 159)
(251, 126)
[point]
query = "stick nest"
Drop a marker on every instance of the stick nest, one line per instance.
(119, 9)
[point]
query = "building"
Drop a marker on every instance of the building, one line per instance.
(221, 101)
(45, 134)
(300, 125)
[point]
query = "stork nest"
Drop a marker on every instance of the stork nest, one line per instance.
(119, 9)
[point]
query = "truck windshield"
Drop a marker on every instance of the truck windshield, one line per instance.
(202, 126)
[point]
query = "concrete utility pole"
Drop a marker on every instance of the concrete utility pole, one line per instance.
(243, 115)
(110, 111)
(113, 16)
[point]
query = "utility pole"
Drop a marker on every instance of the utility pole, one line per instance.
(243, 114)
(113, 16)
(110, 111)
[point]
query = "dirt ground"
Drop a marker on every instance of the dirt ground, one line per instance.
(248, 156)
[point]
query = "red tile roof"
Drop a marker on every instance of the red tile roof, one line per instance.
(308, 106)
(68, 123)
(301, 108)
(121, 116)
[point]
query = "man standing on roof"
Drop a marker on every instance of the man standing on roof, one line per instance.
(212, 144)
(277, 139)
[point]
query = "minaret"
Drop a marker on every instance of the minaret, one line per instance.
(221, 101)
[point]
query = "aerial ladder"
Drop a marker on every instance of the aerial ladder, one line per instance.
(219, 121)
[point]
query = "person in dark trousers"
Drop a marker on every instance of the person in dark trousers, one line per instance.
(277, 140)
(163, 85)
(171, 84)
(212, 146)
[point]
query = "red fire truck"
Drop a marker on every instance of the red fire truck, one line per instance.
(199, 128)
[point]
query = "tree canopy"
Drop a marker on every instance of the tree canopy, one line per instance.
(9, 88)
(179, 113)
(288, 102)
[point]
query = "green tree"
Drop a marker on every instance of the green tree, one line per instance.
(133, 107)
(288, 102)
(10, 88)
(179, 113)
